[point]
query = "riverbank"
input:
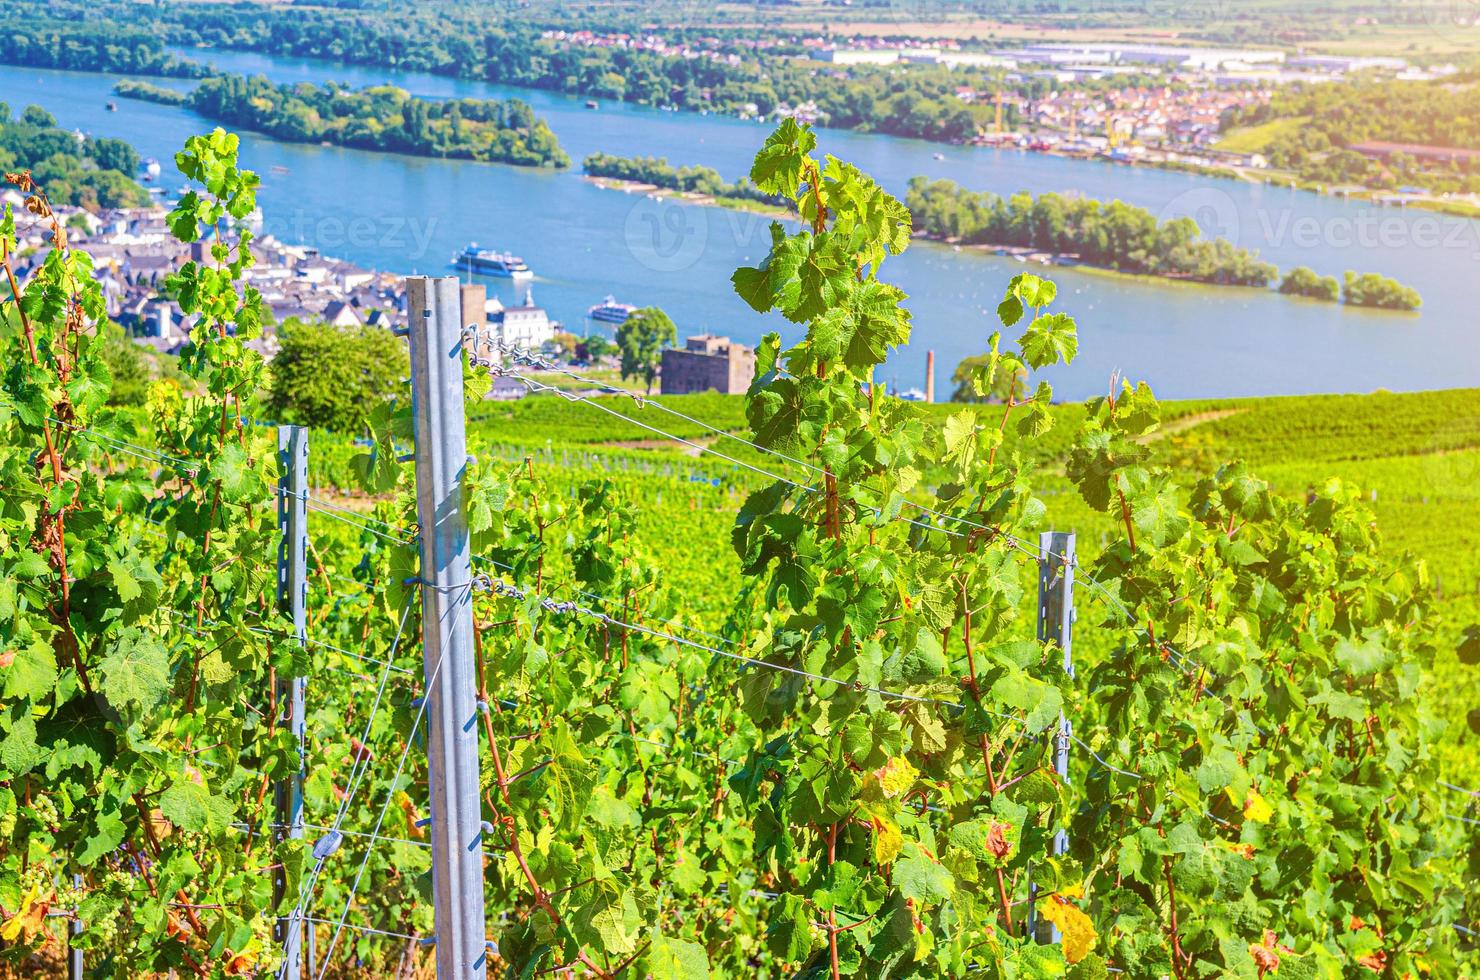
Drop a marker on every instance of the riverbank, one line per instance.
(1047, 259)
(689, 197)
(1459, 207)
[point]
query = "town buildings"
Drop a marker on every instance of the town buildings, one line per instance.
(134, 253)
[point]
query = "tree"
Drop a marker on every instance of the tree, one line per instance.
(594, 348)
(113, 154)
(332, 376)
(126, 366)
(567, 342)
(641, 340)
(36, 116)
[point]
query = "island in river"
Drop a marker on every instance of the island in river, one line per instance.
(1050, 229)
(378, 117)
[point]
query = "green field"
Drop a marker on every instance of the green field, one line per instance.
(1254, 139)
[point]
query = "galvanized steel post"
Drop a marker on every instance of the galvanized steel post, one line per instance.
(436, 334)
(292, 597)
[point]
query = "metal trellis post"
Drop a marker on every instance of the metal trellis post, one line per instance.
(435, 310)
(74, 929)
(292, 596)
(1055, 624)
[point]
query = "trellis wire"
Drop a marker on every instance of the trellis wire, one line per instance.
(379, 820)
(1184, 664)
(324, 848)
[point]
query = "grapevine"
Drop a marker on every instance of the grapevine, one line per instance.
(827, 752)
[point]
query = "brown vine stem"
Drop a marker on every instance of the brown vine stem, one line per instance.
(814, 181)
(51, 522)
(832, 913)
(541, 897)
(983, 744)
(832, 517)
(1173, 934)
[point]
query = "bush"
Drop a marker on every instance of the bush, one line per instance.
(1381, 292)
(331, 377)
(1304, 281)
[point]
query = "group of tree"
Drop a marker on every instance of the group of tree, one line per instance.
(133, 88)
(1378, 291)
(1334, 118)
(689, 180)
(380, 117)
(1113, 235)
(125, 45)
(1304, 281)
(83, 171)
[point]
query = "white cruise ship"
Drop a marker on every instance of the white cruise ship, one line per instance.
(610, 311)
(490, 263)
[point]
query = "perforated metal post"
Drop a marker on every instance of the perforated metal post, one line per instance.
(1055, 625)
(435, 309)
(292, 597)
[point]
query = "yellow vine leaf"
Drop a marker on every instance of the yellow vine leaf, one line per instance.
(896, 776)
(28, 920)
(1257, 808)
(1076, 930)
(244, 963)
(888, 841)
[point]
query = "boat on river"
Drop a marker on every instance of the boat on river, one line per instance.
(490, 263)
(610, 311)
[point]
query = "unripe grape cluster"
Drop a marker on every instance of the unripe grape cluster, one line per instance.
(270, 957)
(44, 813)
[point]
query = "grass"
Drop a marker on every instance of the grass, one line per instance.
(1255, 139)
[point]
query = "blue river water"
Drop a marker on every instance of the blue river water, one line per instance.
(410, 214)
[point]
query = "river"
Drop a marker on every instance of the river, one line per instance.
(410, 214)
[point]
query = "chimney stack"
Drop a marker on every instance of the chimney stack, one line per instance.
(474, 298)
(930, 376)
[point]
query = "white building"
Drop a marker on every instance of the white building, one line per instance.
(858, 56)
(1207, 59)
(1344, 63)
(521, 326)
